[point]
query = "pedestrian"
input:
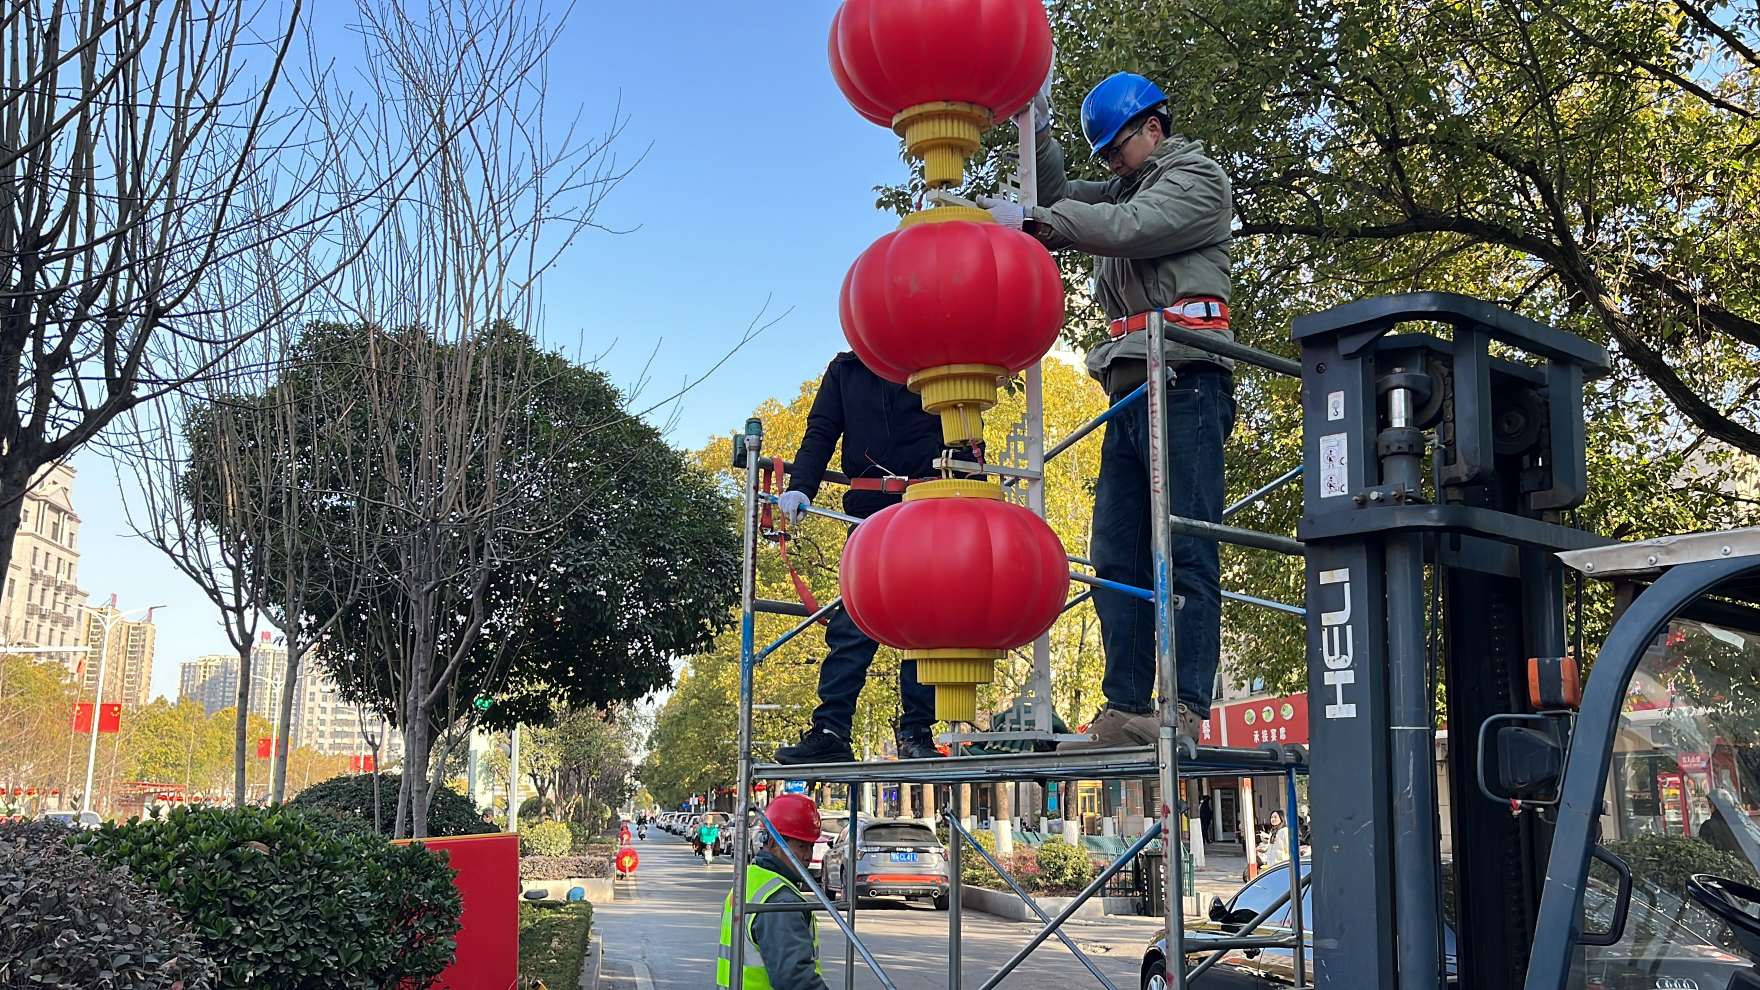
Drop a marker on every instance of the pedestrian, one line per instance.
(708, 834)
(782, 947)
(696, 836)
(1276, 848)
(1205, 826)
(889, 442)
(1159, 232)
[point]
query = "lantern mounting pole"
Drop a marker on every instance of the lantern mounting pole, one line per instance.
(1039, 685)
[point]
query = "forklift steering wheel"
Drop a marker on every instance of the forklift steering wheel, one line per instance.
(1736, 904)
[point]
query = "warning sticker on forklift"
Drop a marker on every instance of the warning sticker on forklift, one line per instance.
(1335, 405)
(1333, 465)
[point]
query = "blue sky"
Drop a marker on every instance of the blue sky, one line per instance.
(757, 184)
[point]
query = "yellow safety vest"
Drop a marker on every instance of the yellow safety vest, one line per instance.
(761, 885)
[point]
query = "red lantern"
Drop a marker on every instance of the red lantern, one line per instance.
(955, 577)
(627, 860)
(940, 71)
(949, 308)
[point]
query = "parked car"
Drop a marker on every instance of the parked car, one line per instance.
(831, 823)
(1665, 950)
(74, 819)
(895, 858)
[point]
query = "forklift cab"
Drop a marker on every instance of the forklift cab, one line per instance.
(1654, 798)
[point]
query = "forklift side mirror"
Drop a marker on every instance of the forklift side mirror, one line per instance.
(1218, 911)
(1521, 758)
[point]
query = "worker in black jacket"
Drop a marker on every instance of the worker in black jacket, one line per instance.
(888, 441)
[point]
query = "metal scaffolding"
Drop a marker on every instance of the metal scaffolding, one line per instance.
(1169, 760)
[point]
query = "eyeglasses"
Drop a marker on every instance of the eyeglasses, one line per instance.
(1116, 148)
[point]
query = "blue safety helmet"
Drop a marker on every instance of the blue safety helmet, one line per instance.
(1118, 99)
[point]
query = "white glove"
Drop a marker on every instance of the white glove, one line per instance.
(1007, 212)
(794, 506)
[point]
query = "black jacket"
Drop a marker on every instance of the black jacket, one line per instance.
(884, 431)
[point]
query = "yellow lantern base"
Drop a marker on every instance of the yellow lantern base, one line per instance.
(946, 214)
(943, 134)
(955, 674)
(959, 394)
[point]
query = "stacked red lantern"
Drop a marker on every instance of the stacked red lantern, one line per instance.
(949, 305)
(955, 577)
(939, 72)
(950, 309)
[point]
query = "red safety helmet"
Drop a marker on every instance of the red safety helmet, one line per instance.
(796, 816)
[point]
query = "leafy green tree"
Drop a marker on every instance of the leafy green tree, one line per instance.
(568, 555)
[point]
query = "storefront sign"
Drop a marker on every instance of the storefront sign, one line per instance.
(1255, 722)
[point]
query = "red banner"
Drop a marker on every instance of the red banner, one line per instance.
(109, 721)
(264, 743)
(360, 764)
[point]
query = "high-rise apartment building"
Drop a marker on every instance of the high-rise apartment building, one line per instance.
(210, 680)
(41, 602)
(126, 656)
(322, 719)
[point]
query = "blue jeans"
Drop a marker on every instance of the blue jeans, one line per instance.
(1200, 416)
(848, 654)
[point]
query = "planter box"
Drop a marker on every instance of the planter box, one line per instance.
(1004, 904)
(600, 890)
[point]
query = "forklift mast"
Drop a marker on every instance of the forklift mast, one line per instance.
(1452, 459)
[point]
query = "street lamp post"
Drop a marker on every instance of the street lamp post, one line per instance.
(107, 618)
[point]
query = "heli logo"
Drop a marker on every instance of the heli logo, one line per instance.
(1336, 647)
(1676, 983)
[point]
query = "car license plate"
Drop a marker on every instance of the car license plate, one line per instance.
(904, 857)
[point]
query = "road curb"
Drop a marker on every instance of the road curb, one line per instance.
(590, 967)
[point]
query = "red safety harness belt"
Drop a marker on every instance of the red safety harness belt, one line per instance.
(773, 485)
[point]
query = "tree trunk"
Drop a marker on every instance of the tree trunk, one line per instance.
(284, 726)
(241, 726)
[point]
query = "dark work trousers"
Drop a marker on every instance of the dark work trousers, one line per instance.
(848, 654)
(1200, 415)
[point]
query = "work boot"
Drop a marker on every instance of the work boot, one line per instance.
(817, 745)
(1111, 728)
(917, 747)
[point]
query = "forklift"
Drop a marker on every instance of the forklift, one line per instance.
(1598, 828)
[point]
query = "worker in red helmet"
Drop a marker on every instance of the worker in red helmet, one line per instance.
(782, 947)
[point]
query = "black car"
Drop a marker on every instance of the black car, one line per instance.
(1660, 947)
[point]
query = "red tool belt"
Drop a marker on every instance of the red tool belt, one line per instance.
(1193, 313)
(891, 484)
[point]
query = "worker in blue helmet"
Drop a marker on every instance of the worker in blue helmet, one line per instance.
(1159, 231)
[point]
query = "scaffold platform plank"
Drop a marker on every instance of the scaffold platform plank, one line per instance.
(1123, 763)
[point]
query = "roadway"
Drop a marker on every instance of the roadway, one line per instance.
(663, 931)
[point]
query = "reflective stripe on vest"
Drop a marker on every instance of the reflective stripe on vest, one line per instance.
(761, 885)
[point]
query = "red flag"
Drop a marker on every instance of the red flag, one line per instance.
(109, 721)
(263, 747)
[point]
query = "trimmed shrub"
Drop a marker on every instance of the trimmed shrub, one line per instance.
(973, 871)
(285, 899)
(545, 839)
(1668, 860)
(1062, 866)
(563, 867)
(536, 807)
(67, 920)
(449, 813)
